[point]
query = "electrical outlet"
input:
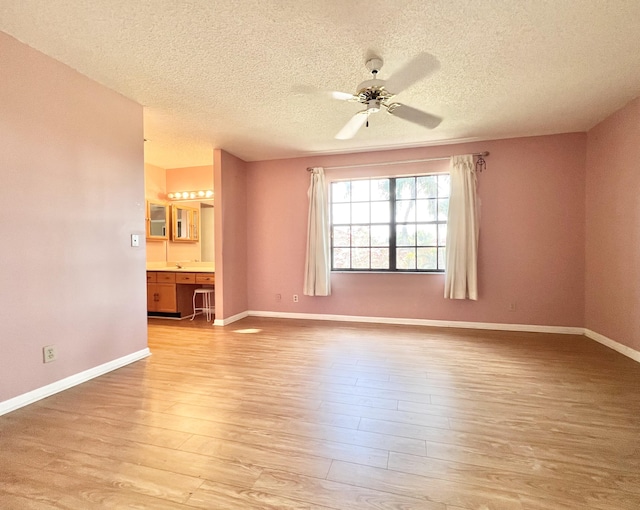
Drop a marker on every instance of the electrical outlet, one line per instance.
(278, 297)
(295, 298)
(513, 306)
(49, 353)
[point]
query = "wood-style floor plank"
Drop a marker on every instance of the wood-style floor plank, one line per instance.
(286, 414)
(226, 497)
(340, 496)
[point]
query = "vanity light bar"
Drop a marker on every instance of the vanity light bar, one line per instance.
(190, 195)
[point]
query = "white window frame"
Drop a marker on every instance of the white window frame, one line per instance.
(418, 220)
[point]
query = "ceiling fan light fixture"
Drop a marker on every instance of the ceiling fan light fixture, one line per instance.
(373, 106)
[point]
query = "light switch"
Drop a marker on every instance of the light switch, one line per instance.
(135, 240)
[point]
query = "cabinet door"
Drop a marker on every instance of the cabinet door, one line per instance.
(157, 221)
(166, 297)
(151, 297)
(161, 297)
(186, 224)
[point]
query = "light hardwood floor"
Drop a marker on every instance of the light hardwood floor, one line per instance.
(281, 414)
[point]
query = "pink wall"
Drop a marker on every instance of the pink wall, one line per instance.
(230, 181)
(612, 297)
(190, 178)
(531, 242)
(155, 183)
(71, 167)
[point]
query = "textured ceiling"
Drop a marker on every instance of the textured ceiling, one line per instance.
(238, 75)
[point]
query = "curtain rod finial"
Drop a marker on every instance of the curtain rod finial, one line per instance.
(481, 164)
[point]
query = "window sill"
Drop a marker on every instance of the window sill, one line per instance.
(388, 272)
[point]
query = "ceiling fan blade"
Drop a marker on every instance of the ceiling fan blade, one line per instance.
(342, 96)
(351, 128)
(418, 68)
(414, 115)
(306, 90)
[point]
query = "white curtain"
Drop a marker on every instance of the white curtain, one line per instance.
(317, 277)
(461, 273)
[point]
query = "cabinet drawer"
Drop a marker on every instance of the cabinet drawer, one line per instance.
(151, 277)
(166, 277)
(185, 278)
(205, 278)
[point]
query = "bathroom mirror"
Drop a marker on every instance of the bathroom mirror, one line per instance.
(157, 221)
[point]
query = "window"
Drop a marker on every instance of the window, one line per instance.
(390, 224)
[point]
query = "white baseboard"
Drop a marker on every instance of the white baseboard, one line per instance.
(564, 330)
(612, 344)
(28, 398)
(422, 322)
(50, 389)
(229, 320)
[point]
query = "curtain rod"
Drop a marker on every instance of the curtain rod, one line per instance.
(385, 163)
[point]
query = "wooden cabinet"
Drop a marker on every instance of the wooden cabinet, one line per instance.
(161, 292)
(157, 221)
(170, 294)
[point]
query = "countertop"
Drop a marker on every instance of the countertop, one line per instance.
(184, 269)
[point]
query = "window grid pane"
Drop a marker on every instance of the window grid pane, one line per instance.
(380, 212)
(360, 236)
(406, 258)
(380, 189)
(341, 236)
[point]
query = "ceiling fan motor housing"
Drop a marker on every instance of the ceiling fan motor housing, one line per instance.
(372, 89)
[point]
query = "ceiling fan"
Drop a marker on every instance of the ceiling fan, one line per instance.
(376, 95)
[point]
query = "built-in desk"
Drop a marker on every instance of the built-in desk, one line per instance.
(170, 291)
